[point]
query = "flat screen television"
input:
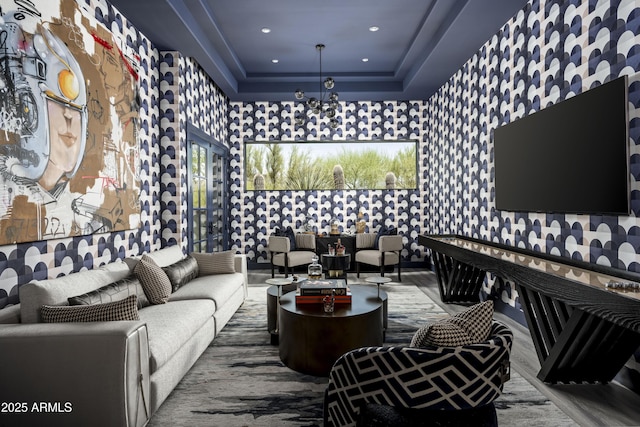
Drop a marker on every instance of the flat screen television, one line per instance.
(571, 157)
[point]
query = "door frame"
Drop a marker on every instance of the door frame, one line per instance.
(213, 146)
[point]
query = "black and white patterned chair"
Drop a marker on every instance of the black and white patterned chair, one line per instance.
(437, 382)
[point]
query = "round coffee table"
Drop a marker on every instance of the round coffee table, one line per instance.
(312, 340)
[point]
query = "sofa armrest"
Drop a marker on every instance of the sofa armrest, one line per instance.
(240, 263)
(75, 374)
(279, 244)
(390, 243)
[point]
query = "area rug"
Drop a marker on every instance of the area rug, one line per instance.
(240, 380)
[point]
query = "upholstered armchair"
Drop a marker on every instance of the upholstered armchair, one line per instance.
(291, 250)
(378, 250)
(455, 386)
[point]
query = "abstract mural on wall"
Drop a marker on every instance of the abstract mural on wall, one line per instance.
(69, 158)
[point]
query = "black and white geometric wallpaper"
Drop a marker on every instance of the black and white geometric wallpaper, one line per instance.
(548, 52)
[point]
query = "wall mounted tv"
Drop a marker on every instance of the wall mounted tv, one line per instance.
(571, 157)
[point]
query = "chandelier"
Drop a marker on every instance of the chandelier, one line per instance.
(326, 103)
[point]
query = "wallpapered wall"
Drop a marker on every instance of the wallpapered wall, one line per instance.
(20, 263)
(548, 52)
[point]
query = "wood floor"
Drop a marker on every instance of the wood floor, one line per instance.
(588, 405)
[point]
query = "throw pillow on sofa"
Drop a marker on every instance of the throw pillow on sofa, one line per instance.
(215, 262)
(182, 272)
(471, 326)
(126, 309)
(115, 291)
(155, 282)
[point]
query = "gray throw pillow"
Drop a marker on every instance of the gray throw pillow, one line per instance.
(215, 262)
(126, 309)
(182, 272)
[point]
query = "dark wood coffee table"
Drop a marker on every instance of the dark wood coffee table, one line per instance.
(312, 340)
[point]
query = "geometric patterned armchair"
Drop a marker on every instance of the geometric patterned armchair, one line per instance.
(459, 379)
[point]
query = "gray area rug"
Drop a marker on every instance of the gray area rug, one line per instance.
(240, 380)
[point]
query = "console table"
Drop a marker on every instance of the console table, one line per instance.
(583, 328)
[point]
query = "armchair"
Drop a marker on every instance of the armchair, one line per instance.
(444, 383)
(387, 252)
(289, 253)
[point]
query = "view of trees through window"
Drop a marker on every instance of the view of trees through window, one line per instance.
(331, 165)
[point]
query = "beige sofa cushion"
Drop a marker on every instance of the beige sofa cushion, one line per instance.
(219, 288)
(170, 326)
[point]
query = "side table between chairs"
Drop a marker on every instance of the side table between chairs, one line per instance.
(336, 265)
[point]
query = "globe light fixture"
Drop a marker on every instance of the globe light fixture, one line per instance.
(327, 102)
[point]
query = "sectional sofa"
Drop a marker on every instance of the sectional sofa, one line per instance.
(64, 361)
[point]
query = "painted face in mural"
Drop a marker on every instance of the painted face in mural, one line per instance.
(65, 138)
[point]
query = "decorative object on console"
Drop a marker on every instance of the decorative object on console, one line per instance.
(334, 226)
(308, 223)
(320, 105)
(361, 225)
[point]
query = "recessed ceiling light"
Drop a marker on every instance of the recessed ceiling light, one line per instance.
(365, 59)
(275, 61)
(266, 30)
(373, 28)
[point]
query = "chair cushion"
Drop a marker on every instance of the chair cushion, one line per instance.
(125, 309)
(295, 258)
(155, 282)
(182, 272)
(215, 262)
(374, 257)
(471, 326)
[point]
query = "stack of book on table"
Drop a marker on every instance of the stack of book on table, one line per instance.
(314, 291)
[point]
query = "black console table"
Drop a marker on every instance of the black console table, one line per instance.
(584, 319)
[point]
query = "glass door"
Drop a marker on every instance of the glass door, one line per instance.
(208, 194)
